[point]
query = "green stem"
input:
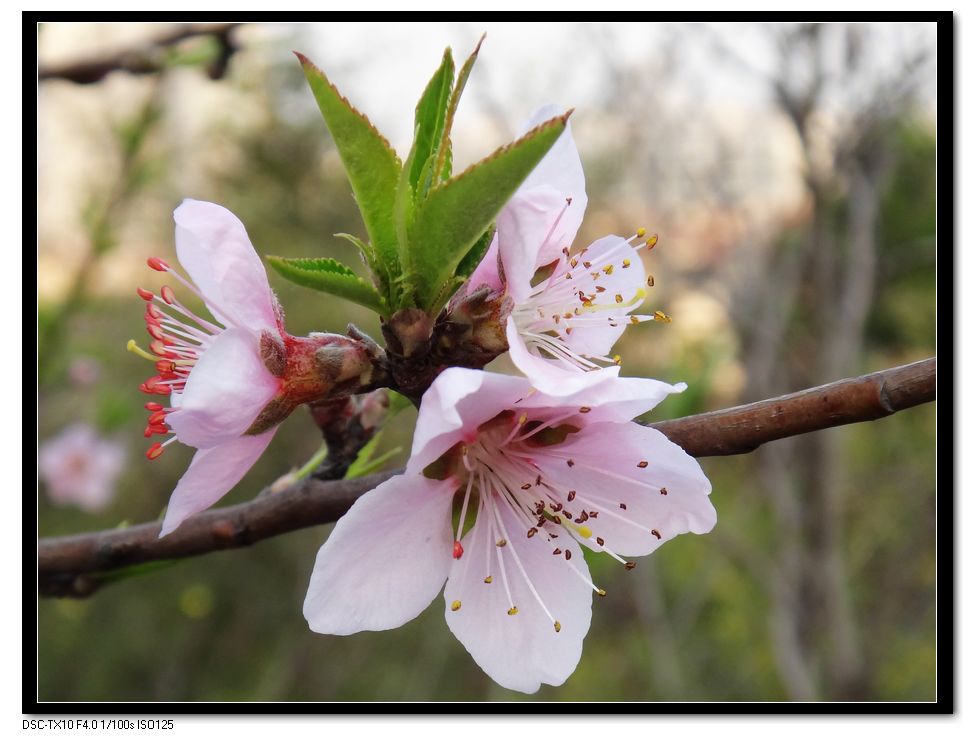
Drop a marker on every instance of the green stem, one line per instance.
(313, 462)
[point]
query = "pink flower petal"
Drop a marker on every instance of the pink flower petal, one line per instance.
(561, 169)
(550, 376)
(225, 391)
(606, 473)
(487, 272)
(520, 651)
(619, 400)
(455, 404)
(211, 475)
(385, 560)
(213, 247)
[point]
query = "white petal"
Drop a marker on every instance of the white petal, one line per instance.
(616, 400)
(523, 651)
(606, 472)
(550, 376)
(385, 560)
(561, 169)
(457, 402)
(213, 247)
(211, 475)
(524, 228)
(487, 272)
(226, 390)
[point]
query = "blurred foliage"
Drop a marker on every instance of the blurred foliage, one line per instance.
(691, 623)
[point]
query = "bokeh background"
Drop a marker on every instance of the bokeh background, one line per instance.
(789, 171)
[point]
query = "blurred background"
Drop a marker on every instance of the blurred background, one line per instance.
(789, 171)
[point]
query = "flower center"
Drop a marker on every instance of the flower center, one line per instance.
(581, 293)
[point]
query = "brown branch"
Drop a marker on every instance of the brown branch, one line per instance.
(148, 58)
(72, 566)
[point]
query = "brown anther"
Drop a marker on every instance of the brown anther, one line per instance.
(567, 515)
(538, 480)
(587, 264)
(525, 486)
(650, 280)
(642, 464)
(568, 275)
(584, 409)
(556, 507)
(556, 551)
(629, 565)
(600, 289)
(455, 606)
(570, 462)
(501, 542)
(583, 517)
(574, 262)
(557, 520)
(571, 497)
(623, 506)
(600, 541)
(568, 330)
(619, 298)
(655, 533)
(663, 491)
(532, 531)
(593, 514)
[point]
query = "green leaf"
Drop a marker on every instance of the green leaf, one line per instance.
(443, 158)
(475, 255)
(328, 275)
(431, 115)
(455, 214)
(364, 462)
(371, 163)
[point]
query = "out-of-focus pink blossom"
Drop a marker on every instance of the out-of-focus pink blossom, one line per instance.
(84, 371)
(539, 477)
(80, 468)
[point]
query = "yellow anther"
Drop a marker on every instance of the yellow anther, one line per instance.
(617, 359)
(132, 347)
(641, 231)
(651, 241)
(601, 593)
(522, 419)
(558, 627)
(608, 269)
(626, 263)
(619, 298)
(661, 317)
(513, 610)
(455, 606)
(488, 579)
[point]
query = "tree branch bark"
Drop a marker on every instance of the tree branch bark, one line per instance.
(73, 565)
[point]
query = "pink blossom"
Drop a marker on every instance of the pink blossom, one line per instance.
(561, 329)
(539, 476)
(231, 378)
(79, 467)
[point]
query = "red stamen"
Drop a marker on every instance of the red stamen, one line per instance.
(154, 451)
(153, 406)
(458, 550)
(144, 293)
(158, 417)
(156, 331)
(165, 366)
(159, 348)
(167, 294)
(153, 311)
(152, 429)
(154, 386)
(157, 264)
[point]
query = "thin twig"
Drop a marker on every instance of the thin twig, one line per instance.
(70, 566)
